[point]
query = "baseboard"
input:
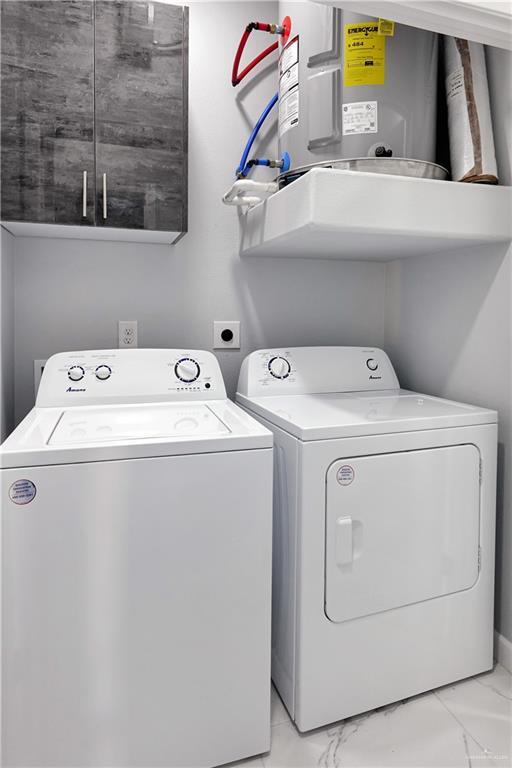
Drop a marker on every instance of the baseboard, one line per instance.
(503, 651)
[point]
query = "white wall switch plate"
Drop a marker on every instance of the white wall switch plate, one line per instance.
(38, 372)
(127, 334)
(226, 334)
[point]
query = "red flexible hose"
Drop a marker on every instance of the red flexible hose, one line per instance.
(254, 62)
(237, 77)
(238, 55)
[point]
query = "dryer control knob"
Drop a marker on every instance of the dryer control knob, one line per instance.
(372, 364)
(279, 367)
(103, 372)
(76, 372)
(187, 370)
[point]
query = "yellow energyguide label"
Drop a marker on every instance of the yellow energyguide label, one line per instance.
(364, 61)
(386, 27)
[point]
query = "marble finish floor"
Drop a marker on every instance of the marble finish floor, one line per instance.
(466, 725)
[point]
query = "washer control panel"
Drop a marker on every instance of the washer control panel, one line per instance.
(130, 376)
(303, 370)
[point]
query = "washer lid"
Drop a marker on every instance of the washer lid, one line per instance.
(99, 425)
(50, 436)
(322, 416)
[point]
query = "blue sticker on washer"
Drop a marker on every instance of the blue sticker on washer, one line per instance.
(22, 491)
(345, 474)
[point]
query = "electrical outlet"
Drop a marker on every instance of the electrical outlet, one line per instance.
(226, 334)
(38, 372)
(127, 334)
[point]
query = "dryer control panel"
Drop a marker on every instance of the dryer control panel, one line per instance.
(309, 370)
(130, 376)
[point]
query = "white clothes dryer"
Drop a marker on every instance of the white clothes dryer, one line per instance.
(384, 520)
(136, 564)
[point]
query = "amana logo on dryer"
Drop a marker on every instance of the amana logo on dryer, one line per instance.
(75, 389)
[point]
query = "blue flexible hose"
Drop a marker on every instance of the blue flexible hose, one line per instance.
(254, 133)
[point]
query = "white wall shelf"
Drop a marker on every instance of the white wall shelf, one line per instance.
(485, 21)
(334, 214)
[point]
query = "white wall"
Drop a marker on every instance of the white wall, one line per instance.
(448, 329)
(499, 65)
(6, 333)
(449, 334)
(70, 294)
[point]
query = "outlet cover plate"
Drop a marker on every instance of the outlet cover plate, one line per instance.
(128, 336)
(226, 325)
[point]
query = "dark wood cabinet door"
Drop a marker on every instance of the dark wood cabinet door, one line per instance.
(47, 69)
(141, 115)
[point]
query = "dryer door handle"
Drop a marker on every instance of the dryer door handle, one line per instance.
(344, 544)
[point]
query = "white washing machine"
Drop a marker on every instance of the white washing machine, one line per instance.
(136, 564)
(384, 519)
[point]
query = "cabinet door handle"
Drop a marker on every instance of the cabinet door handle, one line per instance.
(84, 195)
(104, 195)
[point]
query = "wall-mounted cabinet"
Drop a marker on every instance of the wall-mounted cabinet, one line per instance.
(94, 118)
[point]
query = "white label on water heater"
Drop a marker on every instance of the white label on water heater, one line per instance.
(289, 110)
(289, 80)
(359, 117)
(289, 56)
(289, 87)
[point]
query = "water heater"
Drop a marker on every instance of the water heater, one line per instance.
(357, 92)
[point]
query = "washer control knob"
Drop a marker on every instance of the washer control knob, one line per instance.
(187, 370)
(103, 372)
(372, 364)
(76, 372)
(279, 367)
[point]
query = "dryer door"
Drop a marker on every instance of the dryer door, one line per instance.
(400, 528)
